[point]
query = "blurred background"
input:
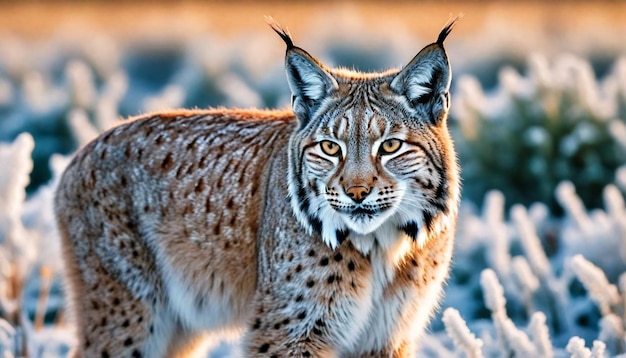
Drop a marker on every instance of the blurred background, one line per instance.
(538, 114)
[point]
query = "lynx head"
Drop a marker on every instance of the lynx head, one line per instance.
(372, 159)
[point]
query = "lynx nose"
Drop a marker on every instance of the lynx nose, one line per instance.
(358, 193)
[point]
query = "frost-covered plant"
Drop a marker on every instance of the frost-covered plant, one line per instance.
(16, 256)
(535, 275)
(29, 256)
(534, 131)
(461, 335)
(610, 301)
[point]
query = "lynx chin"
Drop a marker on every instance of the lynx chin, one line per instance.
(325, 231)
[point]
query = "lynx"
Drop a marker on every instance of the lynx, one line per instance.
(322, 231)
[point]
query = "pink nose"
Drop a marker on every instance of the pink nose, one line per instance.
(357, 193)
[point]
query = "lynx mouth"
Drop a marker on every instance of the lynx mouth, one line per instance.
(363, 211)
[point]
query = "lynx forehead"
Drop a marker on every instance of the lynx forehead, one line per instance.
(326, 231)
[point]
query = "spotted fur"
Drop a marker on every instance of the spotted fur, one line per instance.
(322, 232)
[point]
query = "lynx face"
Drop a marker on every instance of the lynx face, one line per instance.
(372, 156)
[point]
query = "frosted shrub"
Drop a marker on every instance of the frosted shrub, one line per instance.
(29, 257)
(534, 131)
(461, 335)
(562, 299)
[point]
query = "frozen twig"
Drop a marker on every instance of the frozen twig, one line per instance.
(601, 291)
(462, 337)
(530, 242)
(540, 335)
(576, 346)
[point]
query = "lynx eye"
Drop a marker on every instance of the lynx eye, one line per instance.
(330, 148)
(390, 146)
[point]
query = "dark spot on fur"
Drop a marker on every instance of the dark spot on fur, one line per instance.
(128, 341)
(116, 301)
(299, 298)
(317, 331)
(179, 172)
(316, 224)
(199, 186)
(192, 144)
(104, 354)
(351, 265)
(257, 324)
(310, 283)
(277, 325)
(207, 204)
(338, 257)
(298, 268)
(136, 354)
(264, 348)
(301, 315)
(330, 279)
(311, 253)
(428, 220)
(168, 162)
(410, 229)
(203, 162)
(306, 354)
(324, 261)
(341, 235)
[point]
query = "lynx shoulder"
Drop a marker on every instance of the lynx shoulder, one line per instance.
(325, 231)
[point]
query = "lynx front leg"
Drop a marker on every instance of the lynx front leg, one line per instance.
(275, 336)
(313, 303)
(290, 327)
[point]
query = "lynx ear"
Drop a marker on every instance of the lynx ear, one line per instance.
(308, 80)
(425, 81)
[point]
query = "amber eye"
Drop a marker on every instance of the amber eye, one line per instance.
(390, 146)
(330, 148)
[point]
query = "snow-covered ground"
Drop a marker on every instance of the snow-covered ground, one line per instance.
(536, 272)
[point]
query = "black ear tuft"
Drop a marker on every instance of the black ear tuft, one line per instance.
(282, 32)
(447, 29)
(309, 80)
(425, 81)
